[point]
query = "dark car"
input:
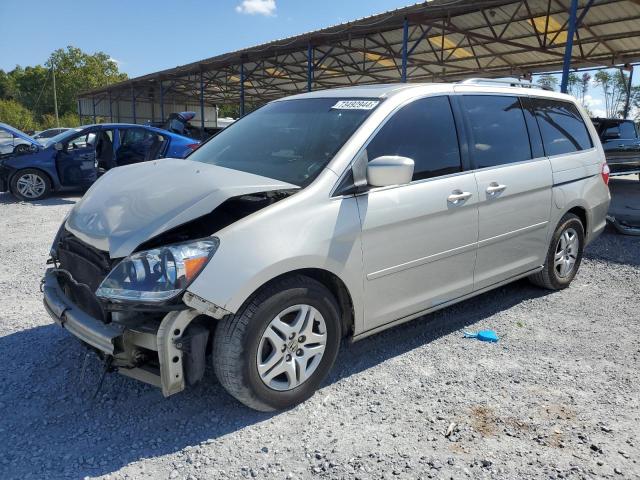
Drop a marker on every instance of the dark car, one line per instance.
(75, 158)
(621, 144)
(180, 123)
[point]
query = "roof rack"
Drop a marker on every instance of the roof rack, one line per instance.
(506, 82)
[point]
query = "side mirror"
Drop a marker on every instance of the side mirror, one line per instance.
(389, 170)
(611, 136)
(58, 146)
(33, 148)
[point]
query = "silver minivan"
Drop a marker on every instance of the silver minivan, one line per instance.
(331, 214)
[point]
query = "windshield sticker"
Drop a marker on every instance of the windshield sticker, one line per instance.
(355, 104)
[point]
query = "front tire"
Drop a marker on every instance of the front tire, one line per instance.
(30, 185)
(276, 350)
(564, 255)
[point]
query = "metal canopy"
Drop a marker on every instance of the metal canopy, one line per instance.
(440, 40)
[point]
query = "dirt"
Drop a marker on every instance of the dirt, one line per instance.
(557, 397)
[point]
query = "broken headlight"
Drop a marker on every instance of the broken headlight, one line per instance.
(157, 275)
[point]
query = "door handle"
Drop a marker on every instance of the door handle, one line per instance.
(494, 188)
(458, 196)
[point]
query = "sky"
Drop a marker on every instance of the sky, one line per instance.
(149, 35)
(144, 36)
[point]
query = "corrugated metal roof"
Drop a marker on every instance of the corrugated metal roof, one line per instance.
(447, 40)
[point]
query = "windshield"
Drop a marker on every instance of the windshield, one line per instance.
(291, 140)
(62, 137)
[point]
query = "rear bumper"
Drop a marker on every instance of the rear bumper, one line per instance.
(623, 226)
(105, 337)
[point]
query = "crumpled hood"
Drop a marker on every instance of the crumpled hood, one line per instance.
(130, 205)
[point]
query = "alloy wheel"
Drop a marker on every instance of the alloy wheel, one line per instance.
(291, 347)
(566, 254)
(31, 185)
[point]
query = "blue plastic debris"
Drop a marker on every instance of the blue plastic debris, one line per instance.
(483, 336)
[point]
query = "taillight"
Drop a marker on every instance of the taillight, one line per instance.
(605, 173)
(193, 146)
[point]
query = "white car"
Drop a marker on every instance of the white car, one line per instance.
(332, 214)
(13, 140)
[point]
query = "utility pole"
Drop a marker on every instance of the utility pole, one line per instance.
(55, 97)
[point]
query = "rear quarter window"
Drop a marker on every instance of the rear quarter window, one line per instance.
(627, 130)
(562, 128)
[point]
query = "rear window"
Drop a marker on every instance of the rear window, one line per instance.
(561, 126)
(625, 130)
(497, 129)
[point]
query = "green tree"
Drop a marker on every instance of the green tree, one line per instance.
(634, 103)
(548, 81)
(75, 71)
(13, 113)
(614, 89)
(578, 86)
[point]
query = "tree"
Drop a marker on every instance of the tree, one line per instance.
(634, 103)
(614, 88)
(15, 114)
(578, 86)
(547, 81)
(75, 71)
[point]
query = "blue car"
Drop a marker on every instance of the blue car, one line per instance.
(75, 158)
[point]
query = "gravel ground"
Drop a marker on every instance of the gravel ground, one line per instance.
(557, 397)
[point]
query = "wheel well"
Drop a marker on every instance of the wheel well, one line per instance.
(581, 213)
(337, 287)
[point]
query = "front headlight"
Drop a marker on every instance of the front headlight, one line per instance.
(157, 275)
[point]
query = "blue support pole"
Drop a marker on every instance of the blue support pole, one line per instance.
(133, 104)
(242, 89)
(568, 49)
(309, 67)
(405, 43)
(161, 101)
(202, 103)
(110, 108)
(93, 103)
(80, 110)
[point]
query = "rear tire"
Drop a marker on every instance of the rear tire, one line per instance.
(30, 184)
(564, 255)
(251, 346)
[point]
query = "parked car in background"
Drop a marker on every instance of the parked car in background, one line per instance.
(76, 157)
(13, 140)
(180, 123)
(44, 135)
(328, 214)
(621, 144)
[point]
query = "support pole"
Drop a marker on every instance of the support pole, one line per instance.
(626, 103)
(161, 101)
(55, 95)
(242, 89)
(309, 67)
(568, 49)
(110, 108)
(80, 110)
(202, 104)
(405, 43)
(133, 104)
(93, 104)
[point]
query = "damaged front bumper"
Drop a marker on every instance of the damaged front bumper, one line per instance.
(167, 352)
